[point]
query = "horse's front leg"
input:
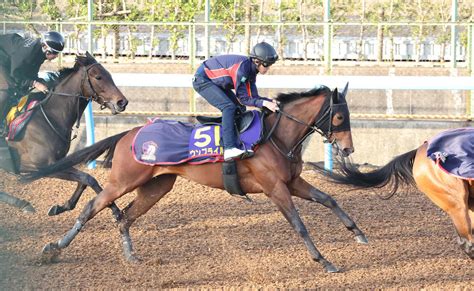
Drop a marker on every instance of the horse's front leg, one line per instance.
(84, 180)
(282, 198)
(16, 202)
(300, 188)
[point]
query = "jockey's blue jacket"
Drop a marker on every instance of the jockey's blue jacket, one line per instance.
(234, 72)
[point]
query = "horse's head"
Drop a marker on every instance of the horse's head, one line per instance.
(97, 83)
(334, 122)
(318, 109)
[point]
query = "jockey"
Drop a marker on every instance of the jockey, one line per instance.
(20, 61)
(218, 76)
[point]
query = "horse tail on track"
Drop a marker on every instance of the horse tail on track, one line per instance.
(84, 155)
(397, 172)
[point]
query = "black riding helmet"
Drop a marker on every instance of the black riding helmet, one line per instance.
(54, 40)
(265, 53)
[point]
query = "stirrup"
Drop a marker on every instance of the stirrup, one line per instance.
(3, 129)
(245, 197)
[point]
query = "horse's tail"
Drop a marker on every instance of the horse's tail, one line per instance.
(84, 155)
(397, 172)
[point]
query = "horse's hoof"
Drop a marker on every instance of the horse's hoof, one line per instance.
(361, 239)
(330, 268)
(133, 259)
(28, 208)
(50, 253)
(466, 246)
(55, 210)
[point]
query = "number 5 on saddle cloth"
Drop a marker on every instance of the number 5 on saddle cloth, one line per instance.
(169, 142)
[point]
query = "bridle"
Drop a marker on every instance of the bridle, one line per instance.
(94, 97)
(323, 116)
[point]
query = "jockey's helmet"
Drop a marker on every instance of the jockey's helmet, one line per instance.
(54, 42)
(265, 53)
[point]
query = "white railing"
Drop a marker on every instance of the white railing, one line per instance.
(306, 82)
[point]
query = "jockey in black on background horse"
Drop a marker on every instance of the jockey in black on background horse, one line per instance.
(20, 61)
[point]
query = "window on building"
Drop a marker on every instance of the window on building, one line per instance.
(163, 46)
(369, 48)
(220, 47)
(410, 49)
(292, 48)
(397, 49)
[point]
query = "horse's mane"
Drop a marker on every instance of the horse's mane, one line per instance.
(284, 98)
(63, 73)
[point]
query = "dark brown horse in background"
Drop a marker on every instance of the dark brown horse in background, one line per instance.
(47, 137)
(274, 170)
(452, 194)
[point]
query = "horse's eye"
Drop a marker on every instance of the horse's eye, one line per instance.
(98, 77)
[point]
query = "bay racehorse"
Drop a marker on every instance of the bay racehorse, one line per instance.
(47, 136)
(454, 194)
(274, 169)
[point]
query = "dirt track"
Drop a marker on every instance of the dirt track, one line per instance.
(198, 237)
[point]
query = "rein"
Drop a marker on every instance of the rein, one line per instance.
(328, 112)
(95, 97)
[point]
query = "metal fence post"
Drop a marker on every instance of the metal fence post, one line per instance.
(59, 27)
(470, 52)
(454, 37)
(327, 36)
(207, 37)
(328, 68)
(88, 113)
(192, 56)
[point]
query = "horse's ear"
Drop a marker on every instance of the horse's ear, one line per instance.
(90, 58)
(335, 96)
(344, 91)
(80, 59)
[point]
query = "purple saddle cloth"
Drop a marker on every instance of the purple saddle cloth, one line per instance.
(169, 142)
(453, 151)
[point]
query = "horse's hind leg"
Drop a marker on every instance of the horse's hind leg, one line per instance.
(70, 204)
(301, 188)
(147, 196)
(449, 193)
(16, 202)
(111, 192)
(83, 180)
(463, 223)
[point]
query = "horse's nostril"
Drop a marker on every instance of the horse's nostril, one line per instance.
(122, 103)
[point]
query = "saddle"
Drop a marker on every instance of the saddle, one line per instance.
(18, 117)
(242, 120)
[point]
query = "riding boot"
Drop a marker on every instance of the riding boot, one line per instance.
(3, 112)
(7, 161)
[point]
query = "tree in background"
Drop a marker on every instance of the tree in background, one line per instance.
(415, 10)
(156, 14)
(231, 13)
(180, 11)
(77, 9)
(386, 11)
(51, 10)
(466, 14)
(20, 10)
(441, 13)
